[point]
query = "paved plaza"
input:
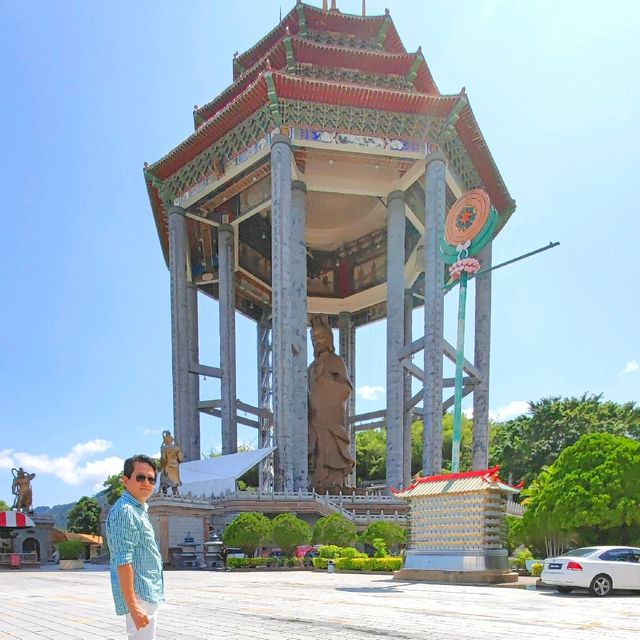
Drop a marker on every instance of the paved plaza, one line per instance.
(59, 605)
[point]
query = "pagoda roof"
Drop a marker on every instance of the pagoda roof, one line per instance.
(305, 51)
(303, 18)
(463, 482)
(291, 87)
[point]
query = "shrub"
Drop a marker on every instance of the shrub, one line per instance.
(381, 548)
(332, 551)
(248, 531)
(521, 557)
(369, 564)
(329, 551)
(288, 532)
(335, 529)
(320, 563)
(251, 563)
(392, 534)
(71, 550)
(536, 569)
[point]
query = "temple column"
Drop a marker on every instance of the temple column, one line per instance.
(182, 425)
(347, 339)
(227, 311)
(265, 369)
(295, 252)
(406, 405)
(435, 205)
(395, 337)
(289, 287)
(194, 358)
(481, 361)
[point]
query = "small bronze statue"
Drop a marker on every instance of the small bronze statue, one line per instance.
(170, 458)
(330, 460)
(21, 489)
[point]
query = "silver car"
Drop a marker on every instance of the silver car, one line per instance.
(598, 569)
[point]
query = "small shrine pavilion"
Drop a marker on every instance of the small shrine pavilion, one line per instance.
(317, 183)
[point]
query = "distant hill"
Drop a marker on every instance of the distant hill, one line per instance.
(60, 512)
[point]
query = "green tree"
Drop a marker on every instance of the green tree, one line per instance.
(84, 517)
(289, 531)
(335, 529)
(522, 447)
(4, 506)
(389, 532)
(589, 494)
(248, 531)
(114, 487)
(371, 454)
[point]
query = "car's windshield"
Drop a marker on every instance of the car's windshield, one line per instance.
(580, 553)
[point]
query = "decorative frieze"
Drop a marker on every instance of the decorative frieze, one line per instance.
(354, 76)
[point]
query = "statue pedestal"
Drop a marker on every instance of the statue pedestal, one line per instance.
(36, 540)
(175, 517)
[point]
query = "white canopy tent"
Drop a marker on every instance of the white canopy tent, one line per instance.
(218, 475)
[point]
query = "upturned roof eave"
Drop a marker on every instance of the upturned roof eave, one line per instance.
(249, 57)
(158, 168)
(276, 52)
(471, 136)
(295, 87)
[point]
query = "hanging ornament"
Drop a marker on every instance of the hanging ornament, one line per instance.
(470, 225)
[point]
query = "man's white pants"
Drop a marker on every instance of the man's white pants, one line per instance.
(148, 632)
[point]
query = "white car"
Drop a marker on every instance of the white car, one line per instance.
(598, 569)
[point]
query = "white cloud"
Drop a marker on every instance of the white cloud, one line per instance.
(367, 392)
(149, 431)
(73, 468)
(514, 409)
(631, 367)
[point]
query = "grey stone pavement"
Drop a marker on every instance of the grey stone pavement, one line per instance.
(74, 605)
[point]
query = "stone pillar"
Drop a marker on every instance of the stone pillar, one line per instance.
(265, 377)
(289, 287)
(347, 339)
(407, 410)
(182, 424)
(395, 337)
(227, 311)
(194, 358)
(435, 205)
(481, 362)
(295, 253)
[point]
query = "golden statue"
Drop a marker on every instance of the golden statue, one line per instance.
(330, 460)
(170, 458)
(21, 489)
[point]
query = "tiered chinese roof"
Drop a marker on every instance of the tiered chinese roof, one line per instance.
(312, 60)
(463, 482)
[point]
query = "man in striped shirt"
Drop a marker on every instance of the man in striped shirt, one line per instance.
(136, 564)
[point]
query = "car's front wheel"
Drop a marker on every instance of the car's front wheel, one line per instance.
(601, 586)
(564, 589)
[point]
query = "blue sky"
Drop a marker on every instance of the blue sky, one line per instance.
(91, 90)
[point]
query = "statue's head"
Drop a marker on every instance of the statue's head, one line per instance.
(321, 336)
(167, 438)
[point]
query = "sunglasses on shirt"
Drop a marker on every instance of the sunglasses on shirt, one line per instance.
(140, 477)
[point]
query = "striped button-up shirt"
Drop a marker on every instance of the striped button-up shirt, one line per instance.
(132, 540)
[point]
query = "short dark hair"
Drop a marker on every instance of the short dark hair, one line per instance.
(129, 463)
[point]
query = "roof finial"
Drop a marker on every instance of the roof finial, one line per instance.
(364, 7)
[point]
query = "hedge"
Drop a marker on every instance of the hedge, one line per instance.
(360, 564)
(255, 563)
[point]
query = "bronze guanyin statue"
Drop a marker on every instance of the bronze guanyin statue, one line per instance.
(330, 459)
